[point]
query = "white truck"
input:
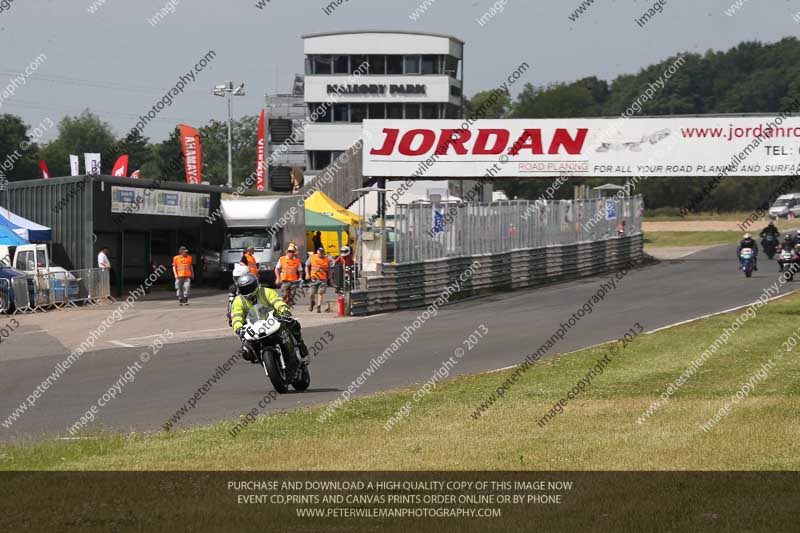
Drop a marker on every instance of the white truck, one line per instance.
(268, 224)
(32, 259)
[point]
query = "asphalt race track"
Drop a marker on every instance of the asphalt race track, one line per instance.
(656, 295)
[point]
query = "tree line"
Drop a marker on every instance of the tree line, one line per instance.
(751, 77)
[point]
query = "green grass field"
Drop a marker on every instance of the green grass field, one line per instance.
(660, 239)
(596, 431)
(671, 215)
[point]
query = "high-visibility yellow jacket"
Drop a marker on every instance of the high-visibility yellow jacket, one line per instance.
(266, 297)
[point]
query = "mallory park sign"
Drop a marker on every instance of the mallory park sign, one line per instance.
(378, 89)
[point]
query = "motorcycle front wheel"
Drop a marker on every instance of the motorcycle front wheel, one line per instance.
(302, 384)
(269, 359)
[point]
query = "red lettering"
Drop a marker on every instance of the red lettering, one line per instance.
(562, 138)
(428, 138)
(500, 142)
(535, 144)
(454, 138)
(388, 145)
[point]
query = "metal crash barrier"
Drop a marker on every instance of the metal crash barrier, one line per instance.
(345, 278)
(6, 295)
(54, 290)
(409, 285)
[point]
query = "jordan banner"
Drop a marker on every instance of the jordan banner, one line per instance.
(767, 145)
(121, 167)
(192, 154)
(260, 155)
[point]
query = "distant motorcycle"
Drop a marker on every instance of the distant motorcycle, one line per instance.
(770, 245)
(275, 348)
(788, 261)
(746, 258)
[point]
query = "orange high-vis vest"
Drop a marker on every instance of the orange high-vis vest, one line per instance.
(320, 267)
(251, 263)
(289, 269)
(183, 266)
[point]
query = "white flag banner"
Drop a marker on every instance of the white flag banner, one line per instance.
(74, 165)
(92, 164)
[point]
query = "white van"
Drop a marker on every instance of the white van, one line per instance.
(786, 206)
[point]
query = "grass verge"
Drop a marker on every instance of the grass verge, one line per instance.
(660, 239)
(596, 431)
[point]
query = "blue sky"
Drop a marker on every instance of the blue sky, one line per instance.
(118, 64)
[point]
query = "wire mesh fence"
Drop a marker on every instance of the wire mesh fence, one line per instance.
(434, 231)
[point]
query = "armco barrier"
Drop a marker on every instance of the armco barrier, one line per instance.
(409, 285)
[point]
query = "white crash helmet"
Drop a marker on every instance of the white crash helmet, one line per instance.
(240, 270)
(344, 251)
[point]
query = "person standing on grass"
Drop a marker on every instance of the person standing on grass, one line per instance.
(183, 270)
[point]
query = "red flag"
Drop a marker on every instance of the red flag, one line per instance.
(260, 151)
(192, 153)
(135, 175)
(45, 172)
(121, 167)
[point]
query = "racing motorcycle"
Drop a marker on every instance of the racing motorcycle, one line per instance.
(746, 261)
(770, 244)
(269, 339)
(789, 262)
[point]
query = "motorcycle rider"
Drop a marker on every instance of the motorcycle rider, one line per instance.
(748, 242)
(769, 247)
(770, 229)
(786, 244)
(252, 294)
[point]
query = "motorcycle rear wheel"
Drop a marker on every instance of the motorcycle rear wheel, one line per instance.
(269, 359)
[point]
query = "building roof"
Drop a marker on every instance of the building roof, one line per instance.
(128, 182)
(402, 32)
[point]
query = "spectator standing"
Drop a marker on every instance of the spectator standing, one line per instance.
(318, 269)
(183, 270)
(103, 263)
(249, 259)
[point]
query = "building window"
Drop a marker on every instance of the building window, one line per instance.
(452, 111)
(356, 63)
(455, 91)
(309, 66)
(340, 113)
(323, 65)
(377, 64)
(430, 111)
(394, 65)
(319, 159)
(341, 64)
(322, 110)
(430, 64)
(358, 112)
(412, 64)
(451, 66)
(412, 111)
(377, 111)
(394, 110)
